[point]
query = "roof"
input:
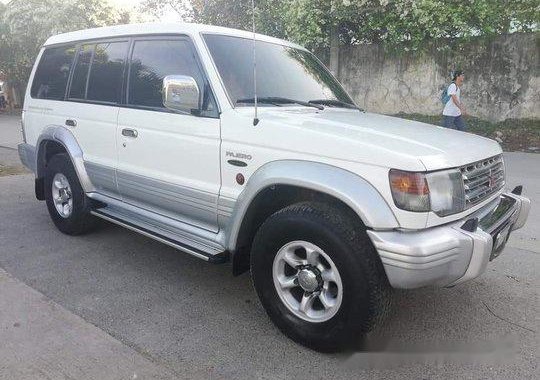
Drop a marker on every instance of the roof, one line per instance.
(157, 28)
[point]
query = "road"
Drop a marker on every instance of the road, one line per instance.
(160, 313)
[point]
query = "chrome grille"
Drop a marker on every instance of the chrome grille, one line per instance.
(482, 178)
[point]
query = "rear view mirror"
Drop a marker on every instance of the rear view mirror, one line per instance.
(181, 93)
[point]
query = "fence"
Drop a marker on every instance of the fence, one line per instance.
(501, 78)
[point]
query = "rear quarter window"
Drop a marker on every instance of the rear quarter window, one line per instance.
(80, 73)
(99, 72)
(52, 73)
(107, 71)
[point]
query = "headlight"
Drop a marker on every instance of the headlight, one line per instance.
(441, 192)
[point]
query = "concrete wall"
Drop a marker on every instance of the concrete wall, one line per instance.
(501, 78)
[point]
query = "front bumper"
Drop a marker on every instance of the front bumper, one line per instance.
(453, 253)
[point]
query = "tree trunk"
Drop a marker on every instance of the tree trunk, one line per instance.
(334, 50)
(8, 95)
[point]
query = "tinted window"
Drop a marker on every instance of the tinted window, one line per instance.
(151, 62)
(80, 74)
(52, 73)
(282, 71)
(106, 73)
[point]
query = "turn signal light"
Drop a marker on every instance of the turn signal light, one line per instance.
(407, 182)
(410, 190)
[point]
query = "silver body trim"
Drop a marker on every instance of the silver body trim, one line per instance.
(188, 205)
(102, 177)
(184, 233)
(63, 136)
(348, 187)
(27, 155)
(157, 238)
(444, 255)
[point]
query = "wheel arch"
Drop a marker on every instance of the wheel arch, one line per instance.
(58, 139)
(281, 183)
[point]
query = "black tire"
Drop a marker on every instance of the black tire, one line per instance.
(80, 221)
(366, 292)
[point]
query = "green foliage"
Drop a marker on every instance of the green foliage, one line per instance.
(157, 8)
(405, 25)
(228, 13)
(408, 24)
(26, 24)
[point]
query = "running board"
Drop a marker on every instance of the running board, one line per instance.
(148, 231)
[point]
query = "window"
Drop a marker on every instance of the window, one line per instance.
(80, 74)
(106, 73)
(152, 60)
(52, 73)
(282, 71)
(99, 72)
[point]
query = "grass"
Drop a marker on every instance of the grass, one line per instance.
(6, 170)
(514, 134)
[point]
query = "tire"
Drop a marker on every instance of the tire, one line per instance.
(79, 220)
(344, 246)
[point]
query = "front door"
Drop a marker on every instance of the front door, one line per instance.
(168, 162)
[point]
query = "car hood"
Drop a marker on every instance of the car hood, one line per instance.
(380, 139)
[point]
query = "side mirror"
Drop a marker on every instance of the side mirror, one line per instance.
(181, 93)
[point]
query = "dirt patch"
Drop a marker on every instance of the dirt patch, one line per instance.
(6, 170)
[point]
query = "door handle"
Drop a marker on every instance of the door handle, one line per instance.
(129, 132)
(71, 123)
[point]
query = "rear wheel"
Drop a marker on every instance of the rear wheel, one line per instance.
(67, 203)
(318, 276)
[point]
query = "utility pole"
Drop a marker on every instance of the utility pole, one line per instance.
(334, 42)
(334, 50)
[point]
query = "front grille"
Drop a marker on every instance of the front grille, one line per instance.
(482, 178)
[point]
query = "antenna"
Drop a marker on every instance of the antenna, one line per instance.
(255, 119)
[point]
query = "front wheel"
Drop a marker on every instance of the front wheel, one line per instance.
(318, 276)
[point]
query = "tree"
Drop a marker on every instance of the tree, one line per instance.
(228, 13)
(157, 8)
(26, 24)
(404, 24)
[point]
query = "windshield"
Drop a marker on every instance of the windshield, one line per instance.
(283, 73)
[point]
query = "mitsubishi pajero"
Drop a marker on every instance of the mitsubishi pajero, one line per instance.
(159, 128)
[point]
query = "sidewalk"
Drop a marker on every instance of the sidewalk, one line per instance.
(10, 136)
(41, 340)
(10, 130)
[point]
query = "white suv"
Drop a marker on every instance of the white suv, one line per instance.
(153, 127)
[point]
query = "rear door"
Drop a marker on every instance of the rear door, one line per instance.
(86, 101)
(48, 90)
(168, 162)
(94, 96)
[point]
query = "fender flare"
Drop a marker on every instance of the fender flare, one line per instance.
(350, 188)
(64, 137)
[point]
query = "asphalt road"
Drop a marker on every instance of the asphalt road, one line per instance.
(195, 320)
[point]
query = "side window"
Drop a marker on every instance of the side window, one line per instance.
(152, 60)
(107, 71)
(80, 73)
(52, 73)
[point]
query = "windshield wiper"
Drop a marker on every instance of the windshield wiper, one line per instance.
(280, 100)
(335, 103)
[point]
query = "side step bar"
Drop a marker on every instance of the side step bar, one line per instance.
(216, 259)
